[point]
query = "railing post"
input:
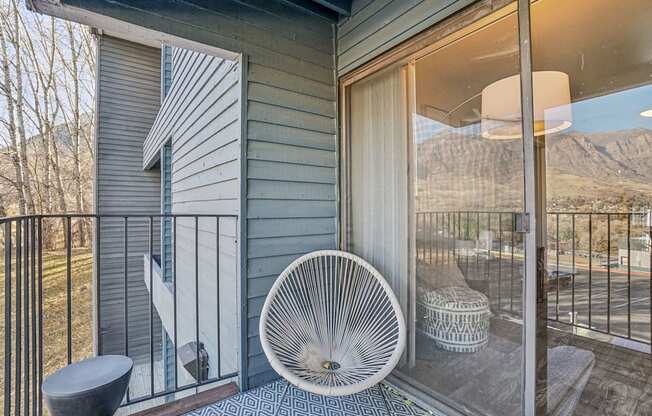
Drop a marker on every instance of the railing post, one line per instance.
(511, 271)
(197, 298)
(217, 299)
(466, 238)
(629, 278)
(437, 239)
(429, 238)
(491, 241)
(573, 266)
(477, 239)
(26, 318)
(7, 328)
(174, 299)
(151, 306)
(609, 273)
(40, 315)
(19, 323)
(98, 276)
(557, 285)
(459, 234)
(34, 312)
(69, 287)
(500, 261)
(126, 290)
(591, 270)
(448, 238)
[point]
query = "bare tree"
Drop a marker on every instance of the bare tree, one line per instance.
(46, 126)
(73, 119)
(20, 108)
(7, 90)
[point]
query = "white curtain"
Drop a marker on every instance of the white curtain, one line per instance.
(378, 229)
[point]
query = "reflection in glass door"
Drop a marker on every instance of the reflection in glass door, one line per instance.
(468, 188)
(597, 175)
(435, 182)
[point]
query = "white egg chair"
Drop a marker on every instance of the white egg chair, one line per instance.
(331, 325)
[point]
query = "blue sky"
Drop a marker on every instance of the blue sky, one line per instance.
(617, 111)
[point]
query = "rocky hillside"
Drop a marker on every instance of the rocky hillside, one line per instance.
(584, 171)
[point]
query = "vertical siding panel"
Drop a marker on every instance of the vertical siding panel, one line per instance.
(128, 100)
(166, 70)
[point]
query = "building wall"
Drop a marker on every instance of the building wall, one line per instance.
(291, 63)
(291, 186)
(128, 101)
(376, 26)
(200, 118)
(290, 136)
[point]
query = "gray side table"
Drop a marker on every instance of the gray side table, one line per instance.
(92, 387)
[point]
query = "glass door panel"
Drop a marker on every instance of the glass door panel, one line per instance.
(468, 187)
(435, 181)
(595, 123)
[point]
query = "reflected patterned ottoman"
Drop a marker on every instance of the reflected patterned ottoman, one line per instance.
(456, 317)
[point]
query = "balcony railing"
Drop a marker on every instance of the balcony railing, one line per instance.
(598, 264)
(156, 289)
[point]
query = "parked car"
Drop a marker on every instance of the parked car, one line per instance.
(564, 279)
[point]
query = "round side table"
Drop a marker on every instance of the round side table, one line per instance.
(92, 387)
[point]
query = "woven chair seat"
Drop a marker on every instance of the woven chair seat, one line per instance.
(331, 324)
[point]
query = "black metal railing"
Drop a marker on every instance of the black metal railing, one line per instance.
(602, 272)
(482, 245)
(599, 265)
(115, 311)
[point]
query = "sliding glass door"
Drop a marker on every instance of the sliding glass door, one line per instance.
(434, 185)
(523, 261)
(468, 180)
(597, 194)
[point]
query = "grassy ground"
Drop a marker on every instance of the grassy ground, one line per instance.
(54, 311)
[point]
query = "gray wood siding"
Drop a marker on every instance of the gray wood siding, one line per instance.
(375, 26)
(291, 186)
(291, 60)
(166, 70)
(128, 101)
(290, 134)
(200, 118)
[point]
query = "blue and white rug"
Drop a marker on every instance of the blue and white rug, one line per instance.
(262, 402)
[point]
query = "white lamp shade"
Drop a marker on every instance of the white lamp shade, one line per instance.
(501, 106)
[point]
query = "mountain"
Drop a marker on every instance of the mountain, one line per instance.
(597, 171)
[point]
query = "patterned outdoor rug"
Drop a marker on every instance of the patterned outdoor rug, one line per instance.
(262, 401)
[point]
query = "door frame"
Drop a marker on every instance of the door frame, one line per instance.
(457, 26)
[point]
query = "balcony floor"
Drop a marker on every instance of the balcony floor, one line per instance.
(262, 401)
